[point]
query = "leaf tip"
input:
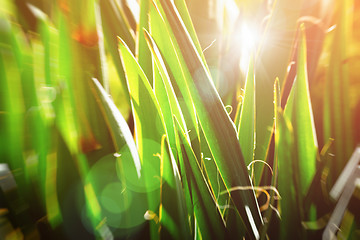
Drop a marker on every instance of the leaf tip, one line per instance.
(121, 41)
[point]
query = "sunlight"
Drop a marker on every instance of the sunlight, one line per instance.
(249, 40)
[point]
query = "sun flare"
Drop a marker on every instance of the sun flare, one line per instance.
(249, 40)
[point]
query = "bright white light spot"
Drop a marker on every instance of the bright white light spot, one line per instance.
(231, 12)
(249, 40)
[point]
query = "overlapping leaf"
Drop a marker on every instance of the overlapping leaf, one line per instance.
(215, 122)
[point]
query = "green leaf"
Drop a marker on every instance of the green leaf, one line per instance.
(274, 178)
(218, 128)
(173, 213)
(215, 181)
(206, 211)
(65, 105)
(246, 128)
(115, 24)
(287, 184)
(165, 94)
(11, 103)
(119, 129)
(298, 109)
(174, 62)
(337, 114)
(143, 54)
(238, 113)
(267, 69)
(80, 60)
(185, 16)
(145, 106)
(149, 129)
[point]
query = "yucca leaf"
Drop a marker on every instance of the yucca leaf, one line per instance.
(35, 132)
(277, 40)
(238, 112)
(148, 133)
(70, 104)
(246, 132)
(337, 115)
(287, 185)
(216, 124)
(214, 178)
(65, 104)
(173, 213)
(274, 178)
(206, 211)
(45, 80)
(11, 104)
(185, 16)
(298, 109)
(115, 24)
(120, 132)
(174, 62)
(143, 54)
(165, 94)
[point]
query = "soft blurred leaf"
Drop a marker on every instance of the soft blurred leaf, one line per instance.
(115, 24)
(337, 114)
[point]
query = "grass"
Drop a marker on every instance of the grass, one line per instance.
(120, 120)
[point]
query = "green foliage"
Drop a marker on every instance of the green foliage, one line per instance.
(177, 164)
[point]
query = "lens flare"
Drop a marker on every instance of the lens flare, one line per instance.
(249, 40)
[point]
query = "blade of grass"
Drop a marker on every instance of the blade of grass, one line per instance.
(172, 213)
(115, 24)
(246, 133)
(184, 13)
(299, 111)
(11, 105)
(45, 74)
(148, 133)
(214, 179)
(287, 186)
(143, 54)
(266, 69)
(85, 48)
(206, 211)
(174, 62)
(119, 130)
(337, 115)
(218, 127)
(165, 94)
(274, 180)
